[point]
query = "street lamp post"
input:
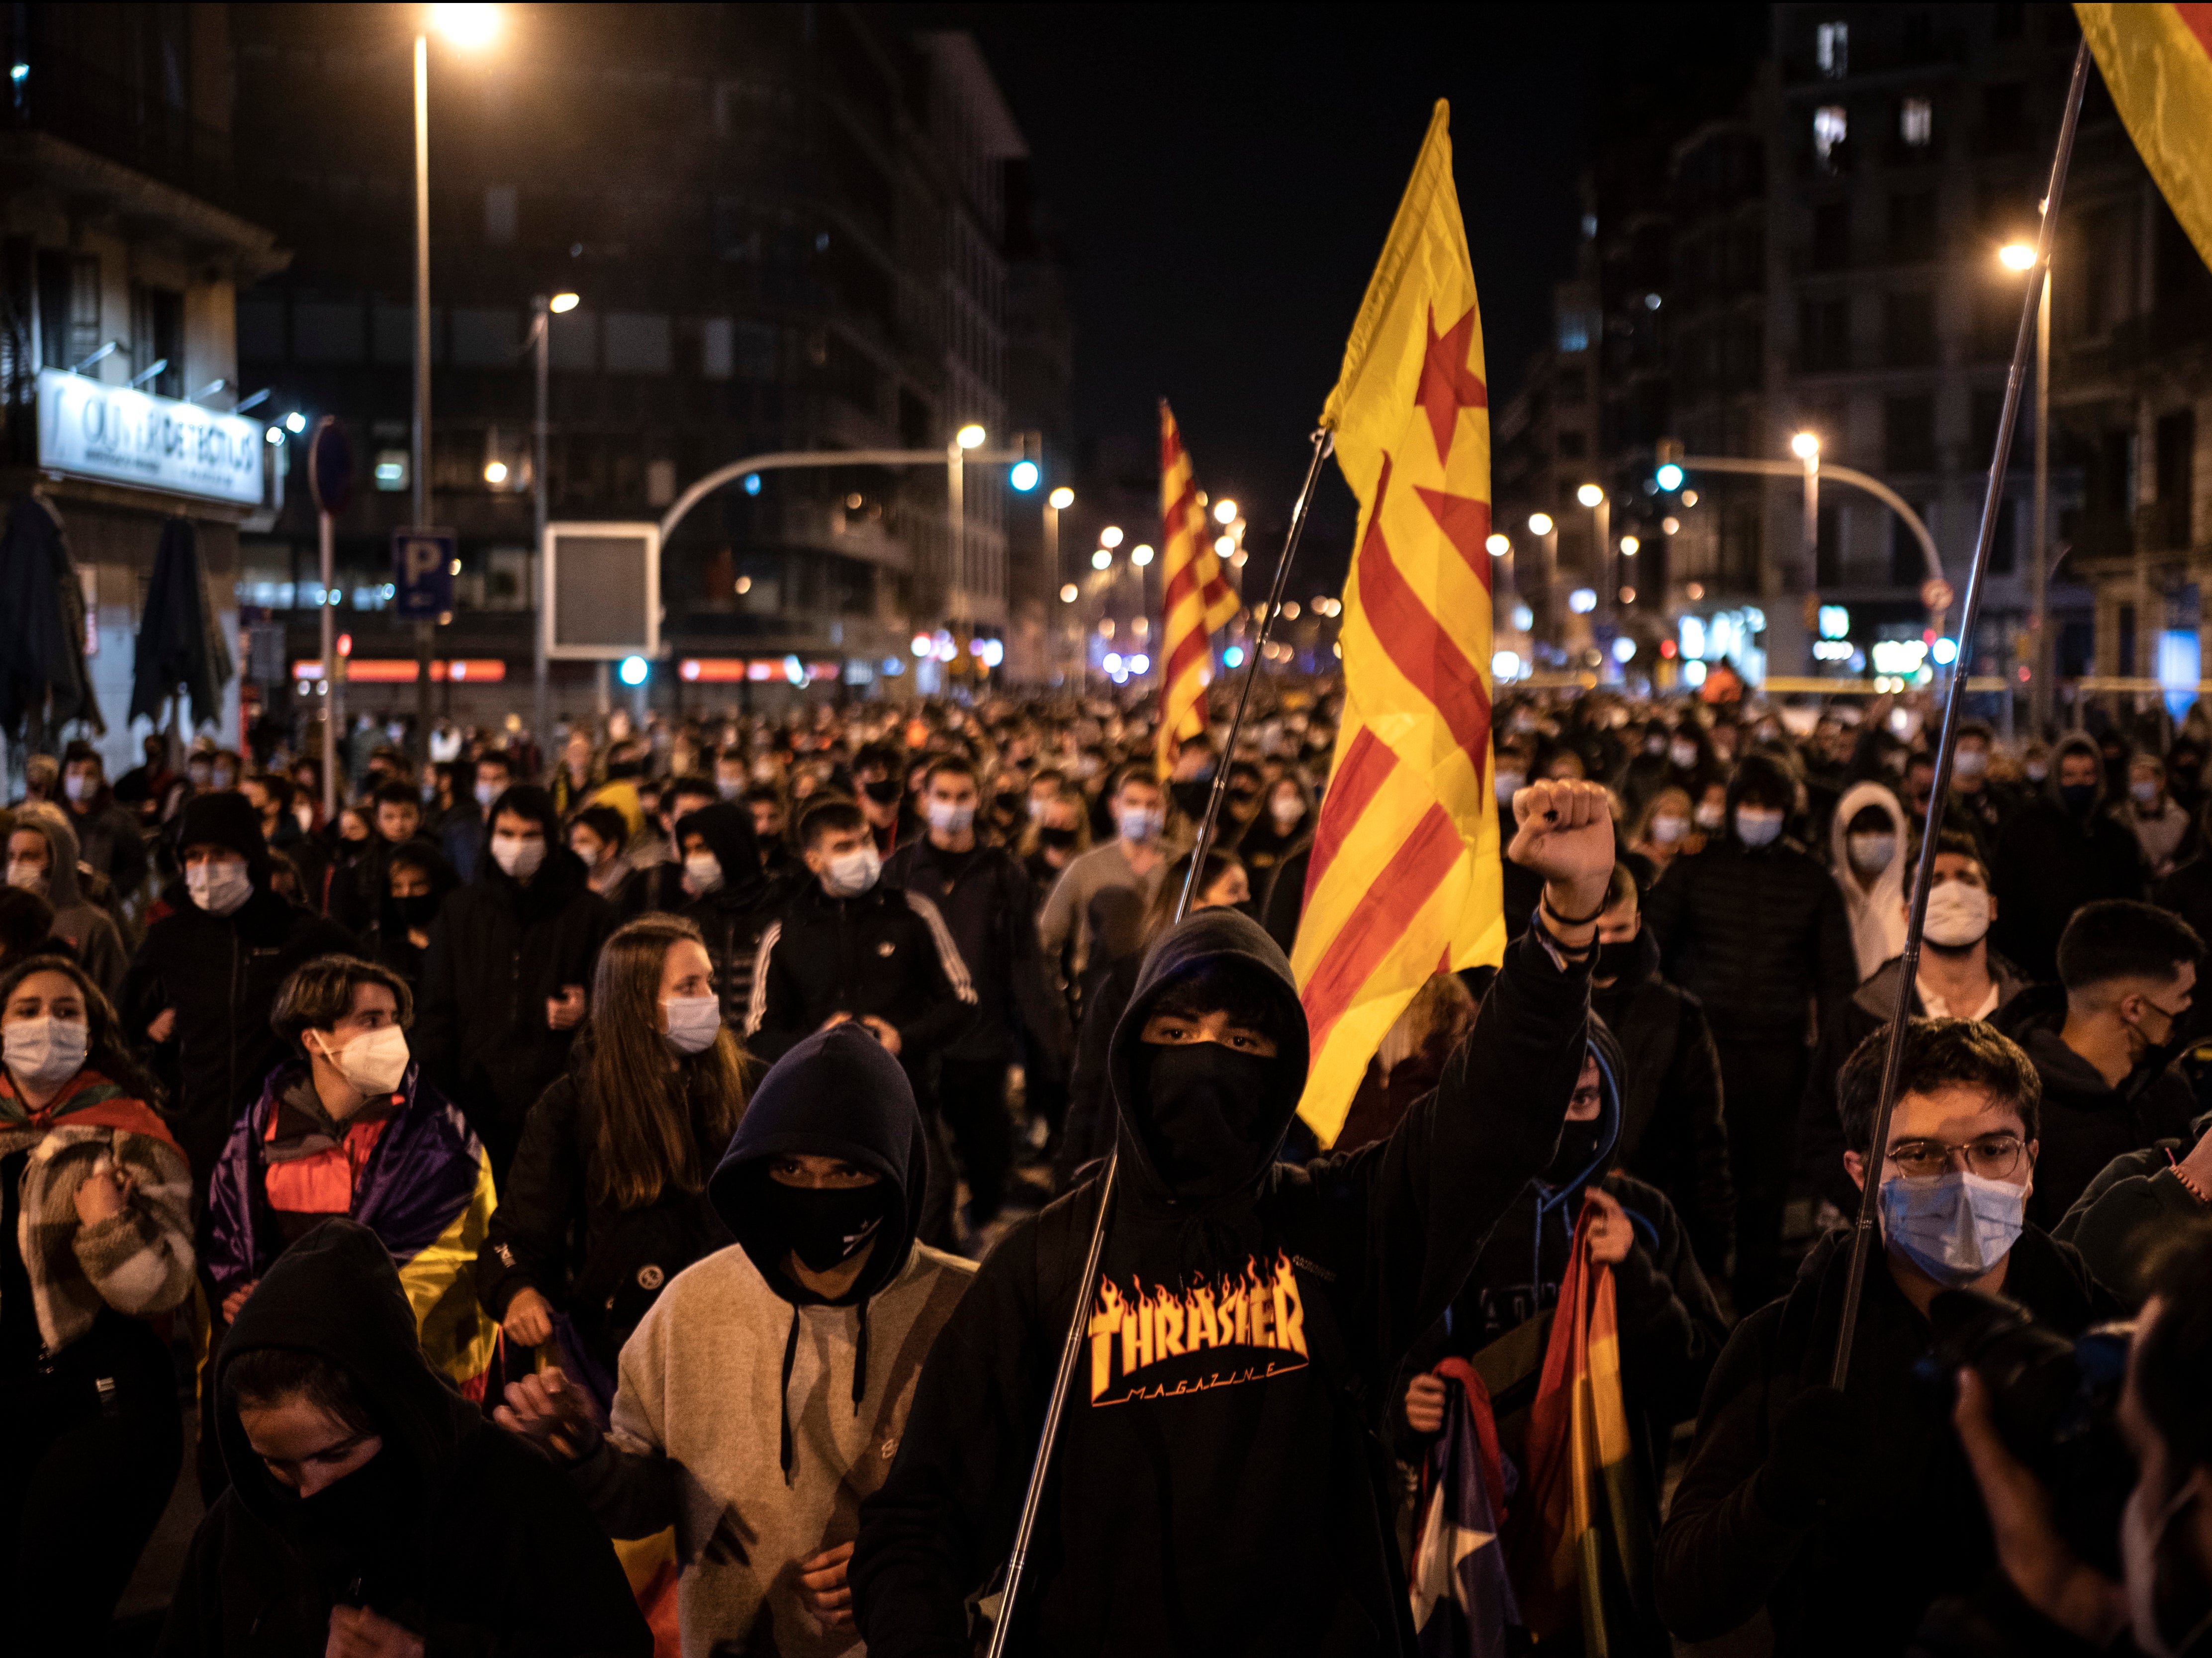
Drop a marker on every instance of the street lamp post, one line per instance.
(2039, 641)
(1593, 497)
(1055, 504)
(541, 333)
(1548, 536)
(424, 627)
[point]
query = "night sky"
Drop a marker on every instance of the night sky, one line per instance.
(1222, 179)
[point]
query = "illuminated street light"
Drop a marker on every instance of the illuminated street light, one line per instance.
(1590, 495)
(1102, 559)
(1540, 523)
(1805, 446)
(1224, 512)
(971, 437)
(1140, 555)
(2016, 256)
(1109, 537)
(1060, 499)
(471, 26)
(1068, 592)
(1630, 546)
(1498, 545)
(494, 471)
(560, 304)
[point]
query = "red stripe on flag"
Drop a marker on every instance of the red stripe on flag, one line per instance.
(1366, 764)
(1423, 651)
(1379, 921)
(2198, 21)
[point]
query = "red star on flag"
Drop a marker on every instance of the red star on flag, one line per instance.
(1448, 385)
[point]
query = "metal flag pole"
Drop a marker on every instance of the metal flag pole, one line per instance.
(1071, 1349)
(1992, 499)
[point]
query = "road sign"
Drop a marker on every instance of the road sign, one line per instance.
(601, 597)
(422, 571)
(1935, 593)
(330, 466)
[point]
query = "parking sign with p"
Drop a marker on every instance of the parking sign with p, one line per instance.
(422, 571)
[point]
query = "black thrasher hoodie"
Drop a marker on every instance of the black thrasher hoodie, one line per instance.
(459, 1532)
(1218, 1489)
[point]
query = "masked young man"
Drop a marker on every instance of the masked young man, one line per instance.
(1216, 1484)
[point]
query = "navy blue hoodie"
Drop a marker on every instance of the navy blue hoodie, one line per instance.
(1218, 1488)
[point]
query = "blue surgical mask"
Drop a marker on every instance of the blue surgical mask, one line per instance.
(1954, 1228)
(1756, 827)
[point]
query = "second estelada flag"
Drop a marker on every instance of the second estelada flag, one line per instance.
(1404, 879)
(1195, 598)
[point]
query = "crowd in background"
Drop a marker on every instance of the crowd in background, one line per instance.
(655, 1094)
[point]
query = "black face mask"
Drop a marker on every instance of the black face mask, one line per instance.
(825, 1226)
(1208, 1106)
(1577, 1149)
(884, 791)
(418, 912)
(1619, 961)
(2078, 797)
(1058, 839)
(357, 1515)
(1189, 795)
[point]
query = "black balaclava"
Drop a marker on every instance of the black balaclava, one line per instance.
(824, 1226)
(1209, 1106)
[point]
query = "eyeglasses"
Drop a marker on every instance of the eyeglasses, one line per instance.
(1994, 1157)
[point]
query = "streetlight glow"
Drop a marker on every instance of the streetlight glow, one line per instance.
(1630, 546)
(1140, 555)
(1022, 476)
(1102, 559)
(971, 437)
(1498, 545)
(1060, 499)
(1067, 593)
(1224, 512)
(1590, 495)
(494, 471)
(2016, 256)
(1540, 523)
(1805, 446)
(471, 26)
(1109, 537)
(560, 304)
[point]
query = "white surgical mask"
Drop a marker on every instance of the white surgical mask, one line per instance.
(853, 874)
(1755, 826)
(376, 1062)
(1970, 762)
(692, 1021)
(220, 886)
(1668, 827)
(1871, 854)
(77, 786)
(1138, 823)
(518, 855)
(2037, 771)
(1510, 783)
(1683, 754)
(45, 1051)
(1958, 915)
(2144, 793)
(225, 778)
(1710, 818)
(703, 870)
(729, 787)
(26, 873)
(1286, 810)
(486, 793)
(949, 820)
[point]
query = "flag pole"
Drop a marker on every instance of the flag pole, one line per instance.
(1992, 501)
(1071, 1349)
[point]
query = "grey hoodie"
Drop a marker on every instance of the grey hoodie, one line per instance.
(88, 930)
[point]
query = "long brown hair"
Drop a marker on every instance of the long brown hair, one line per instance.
(664, 1119)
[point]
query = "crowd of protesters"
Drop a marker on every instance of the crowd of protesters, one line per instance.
(628, 1195)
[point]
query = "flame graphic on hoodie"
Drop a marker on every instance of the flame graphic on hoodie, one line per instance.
(1241, 1326)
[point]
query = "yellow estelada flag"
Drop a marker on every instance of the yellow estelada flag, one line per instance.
(2157, 64)
(1403, 880)
(1195, 599)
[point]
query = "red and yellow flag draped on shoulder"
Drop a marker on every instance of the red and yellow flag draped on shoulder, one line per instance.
(2157, 64)
(1404, 877)
(1195, 599)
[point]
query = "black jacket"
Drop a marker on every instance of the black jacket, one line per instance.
(734, 916)
(2050, 862)
(1673, 1131)
(1219, 1486)
(990, 909)
(1759, 935)
(885, 952)
(2085, 1122)
(499, 952)
(2120, 1217)
(602, 1264)
(460, 1532)
(109, 840)
(221, 974)
(1088, 1132)
(1858, 1579)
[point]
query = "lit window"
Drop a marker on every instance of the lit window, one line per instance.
(1831, 126)
(1916, 122)
(1832, 49)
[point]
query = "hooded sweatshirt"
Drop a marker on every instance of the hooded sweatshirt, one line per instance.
(734, 915)
(87, 928)
(1877, 913)
(454, 1529)
(2052, 859)
(1218, 1488)
(751, 1415)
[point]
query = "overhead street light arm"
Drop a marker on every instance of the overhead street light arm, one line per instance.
(788, 460)
(1872, 485)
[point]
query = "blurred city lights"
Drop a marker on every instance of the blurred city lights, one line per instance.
(1224, 512)
(1671, 525)
(1140, 663)
(1102, 559)
(1505, 664)
(752, 483)
(2016, 256)
(1060, 499)
(1582, 600)
(923, 645)
(971, 437)
(1669, 477)
(1590, 495)
(1140, 555)
(1022, 476)
(494, 471)
(1624, 649)
(1540, 523)
(1233, 657)
(1111, 661)
(1068, 592)
(1805, 446)
(1498, 545)
(1946, 652)
(562, 304)
(1630, 546)
(467, 25)
(295, 422)
(993, 652)
(1224, 546)
(1109, 537)
(632, 667)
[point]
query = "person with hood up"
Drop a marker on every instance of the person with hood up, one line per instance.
(503, 985)
(598, 836)
(765, 1394)
(732, 899)
(607, 1199)
(1216, 1485)
(42, 859)
(1755, 925)
(349, 1126)
(95, 1240)
(2062, 850)
(417, 881)
(209, 971)
(1671, 1328)
(372, 1511)
(1867, 849)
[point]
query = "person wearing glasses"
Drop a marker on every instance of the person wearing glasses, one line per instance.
(1842, 1515)
(2106, 1055)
